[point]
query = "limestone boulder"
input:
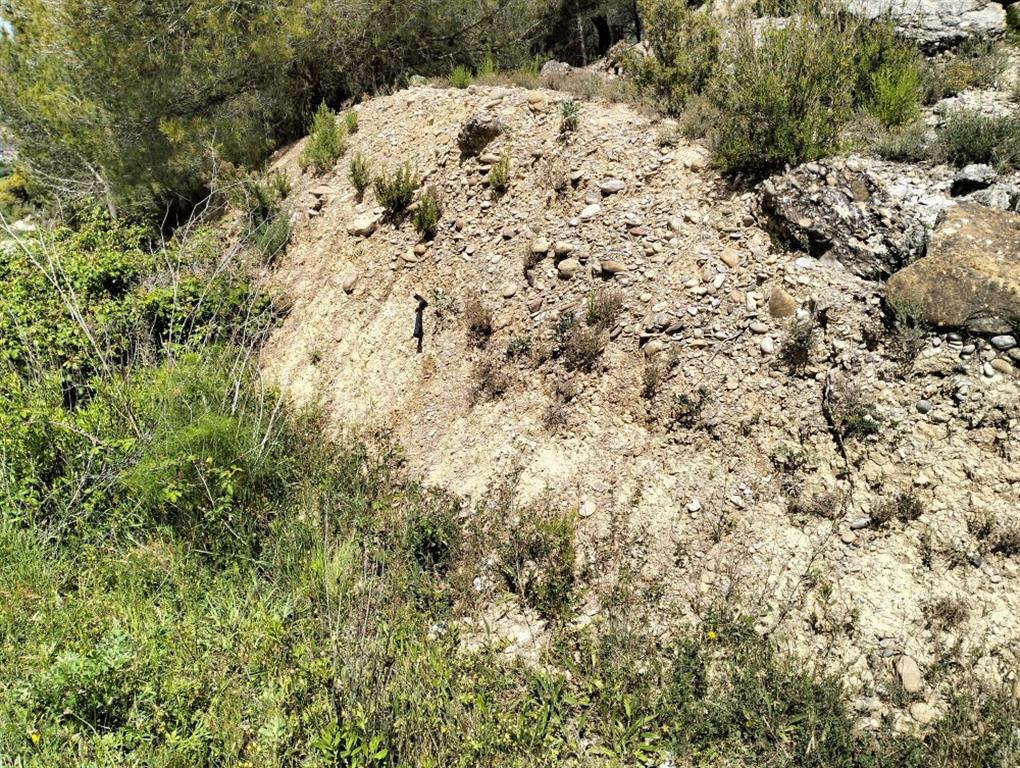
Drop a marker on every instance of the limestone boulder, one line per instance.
(939, 24)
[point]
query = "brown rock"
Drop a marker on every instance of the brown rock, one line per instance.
(782, 304)
(971, 275)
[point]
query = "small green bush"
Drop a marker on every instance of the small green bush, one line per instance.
(395, 191)
(570, 114)
(971, 137)
(351, 122)
(427, 215)
(326, 141)
(896, 88)
(460, 77)
(685, 42)
(499, 174)
(360, 174)
(271, 237)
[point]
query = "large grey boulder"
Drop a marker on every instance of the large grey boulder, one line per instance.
(939, 24)
(839, 211)
(971, 275)
(480, 129)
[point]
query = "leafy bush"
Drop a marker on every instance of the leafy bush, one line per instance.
(499, 174)
(395, 191)
(460, 77)
(326, 141)
(350, 122)
(784, 94)
(360, 174)
(685, 42)
(569, 116)
(971, 137)
(904, 507)
(427, 215)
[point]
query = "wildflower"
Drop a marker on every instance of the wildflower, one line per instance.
(34, 736)
(711, 635)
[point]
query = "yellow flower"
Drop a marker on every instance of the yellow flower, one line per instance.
(34, 736)
(711, 635)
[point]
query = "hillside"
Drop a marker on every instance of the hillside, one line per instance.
(840, 492)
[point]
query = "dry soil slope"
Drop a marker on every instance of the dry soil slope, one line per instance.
(706, 506)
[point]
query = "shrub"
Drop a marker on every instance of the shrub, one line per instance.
(460, 77)
(784, 94)
(487, 69)
(272, 237)
(685, 42)
(895, 91)
(904, 507)
(907, 143)
(569, 116)
(852, 415)
(499, 174)
(518, 346)
(427, 214)
(360, 174)
(491, 380)
(325, 142)
(604, 306)
(971, 137)
(651, 379)
(686, 408)
(396, 191)
(946, 612)
(795, 350)
(536, 559)
(478, 319)
(351, 122)
(582, 346)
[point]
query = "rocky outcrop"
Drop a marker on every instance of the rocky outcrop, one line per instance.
(939, 24)
(480, 129)
(971, 275)
(839, 211)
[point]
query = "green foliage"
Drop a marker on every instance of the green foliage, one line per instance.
(395, 190)
(326, 141)
(137, 106)
(350, 122)
(904, 144)
(784, 94)
(685, 42)
(460, 77)
(971, 137)
(895, 88)
(499, 174)
(570, 115)
(360, 174)
(427, 214)
(536, 559)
